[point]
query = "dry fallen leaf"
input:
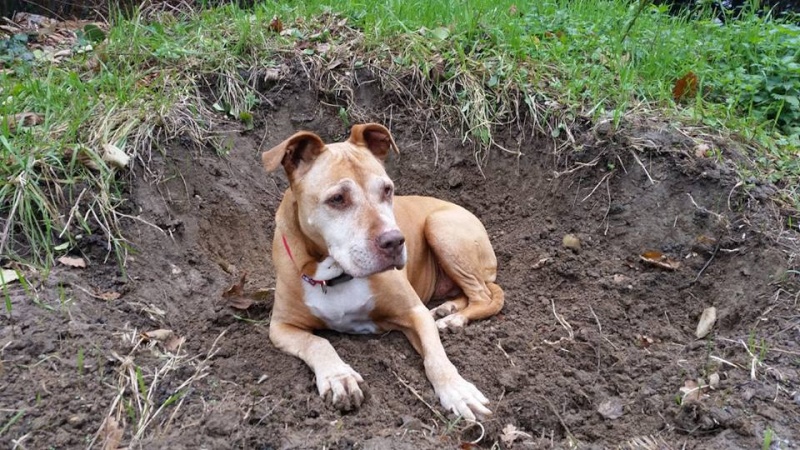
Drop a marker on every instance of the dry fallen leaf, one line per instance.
(691, 392)
(685, 87)
(701, 150)
(510, 434)
(72, 261)
(706, 322)
(109, 295)
(26, 119)
(276, 25)
(115, 156)
(111, 433)
(659, 259)
(235, 295)
(611, 408)
(167, 338)
(644, 340)
(158, 335)
(7, 276)
(539, 264)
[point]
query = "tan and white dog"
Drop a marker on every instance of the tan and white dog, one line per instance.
(352, 257)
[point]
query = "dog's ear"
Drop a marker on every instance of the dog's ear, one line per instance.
(375, 137)
(297, 152)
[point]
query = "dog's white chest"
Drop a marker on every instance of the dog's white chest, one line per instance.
(345, 307)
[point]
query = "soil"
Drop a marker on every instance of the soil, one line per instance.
(590, 330)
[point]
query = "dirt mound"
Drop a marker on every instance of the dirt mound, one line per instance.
(583, 330)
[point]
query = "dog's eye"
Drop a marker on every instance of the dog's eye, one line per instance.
(388, 191)
(336, 200)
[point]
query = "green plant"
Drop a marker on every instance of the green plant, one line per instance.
(768, 436)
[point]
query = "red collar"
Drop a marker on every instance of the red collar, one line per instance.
(321, 283)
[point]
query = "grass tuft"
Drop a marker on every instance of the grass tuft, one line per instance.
(158, 75)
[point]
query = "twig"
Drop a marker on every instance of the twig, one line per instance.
(506, 354)
(419, 397)
(600, 328)
(643, 167)
(598, 185)
(719, 217)
(708, 263)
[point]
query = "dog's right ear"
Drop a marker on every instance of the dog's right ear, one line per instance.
(296, 153)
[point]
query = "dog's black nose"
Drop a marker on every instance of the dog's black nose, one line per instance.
(391, 241)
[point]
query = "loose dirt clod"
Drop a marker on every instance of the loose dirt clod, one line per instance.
(706, 322)
(611, 408)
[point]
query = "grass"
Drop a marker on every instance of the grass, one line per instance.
(479, 65)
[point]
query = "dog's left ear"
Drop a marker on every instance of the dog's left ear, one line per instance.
(375, 137)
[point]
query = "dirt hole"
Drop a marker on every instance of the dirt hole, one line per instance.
(629, 337)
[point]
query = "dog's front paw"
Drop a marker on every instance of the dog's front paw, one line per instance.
(328, 269)
(339, 387)
(462, 398)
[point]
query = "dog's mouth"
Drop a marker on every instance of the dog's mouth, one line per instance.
(377, 264)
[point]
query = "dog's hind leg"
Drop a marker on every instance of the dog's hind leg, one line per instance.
(464, 253)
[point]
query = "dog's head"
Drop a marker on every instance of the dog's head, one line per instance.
(344, 197)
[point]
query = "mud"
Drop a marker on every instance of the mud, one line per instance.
(585, 328)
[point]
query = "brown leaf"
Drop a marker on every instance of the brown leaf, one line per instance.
(510, 434)
(26, 119)
(276, 25)
(158, 335)
(72, 261)
(691, 392)
(659, 259)
(111, 434)
(512, 10)
(685, 87)
(109, 295)
(168, 339)
(701, 150)
(644, 340)
(236, 297)
(237, 288)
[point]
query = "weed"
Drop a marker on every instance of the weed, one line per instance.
(768, 436)
(14, 419)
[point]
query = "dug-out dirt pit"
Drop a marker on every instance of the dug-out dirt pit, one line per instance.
(595, 347)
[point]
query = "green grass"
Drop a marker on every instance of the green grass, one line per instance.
(478, 64)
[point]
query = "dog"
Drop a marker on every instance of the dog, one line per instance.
(351, 256)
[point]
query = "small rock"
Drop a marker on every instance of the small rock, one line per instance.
(454, 179)
(571, 241)
(706, 322)
(77, 421)
(611, 408)
(748, 394)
